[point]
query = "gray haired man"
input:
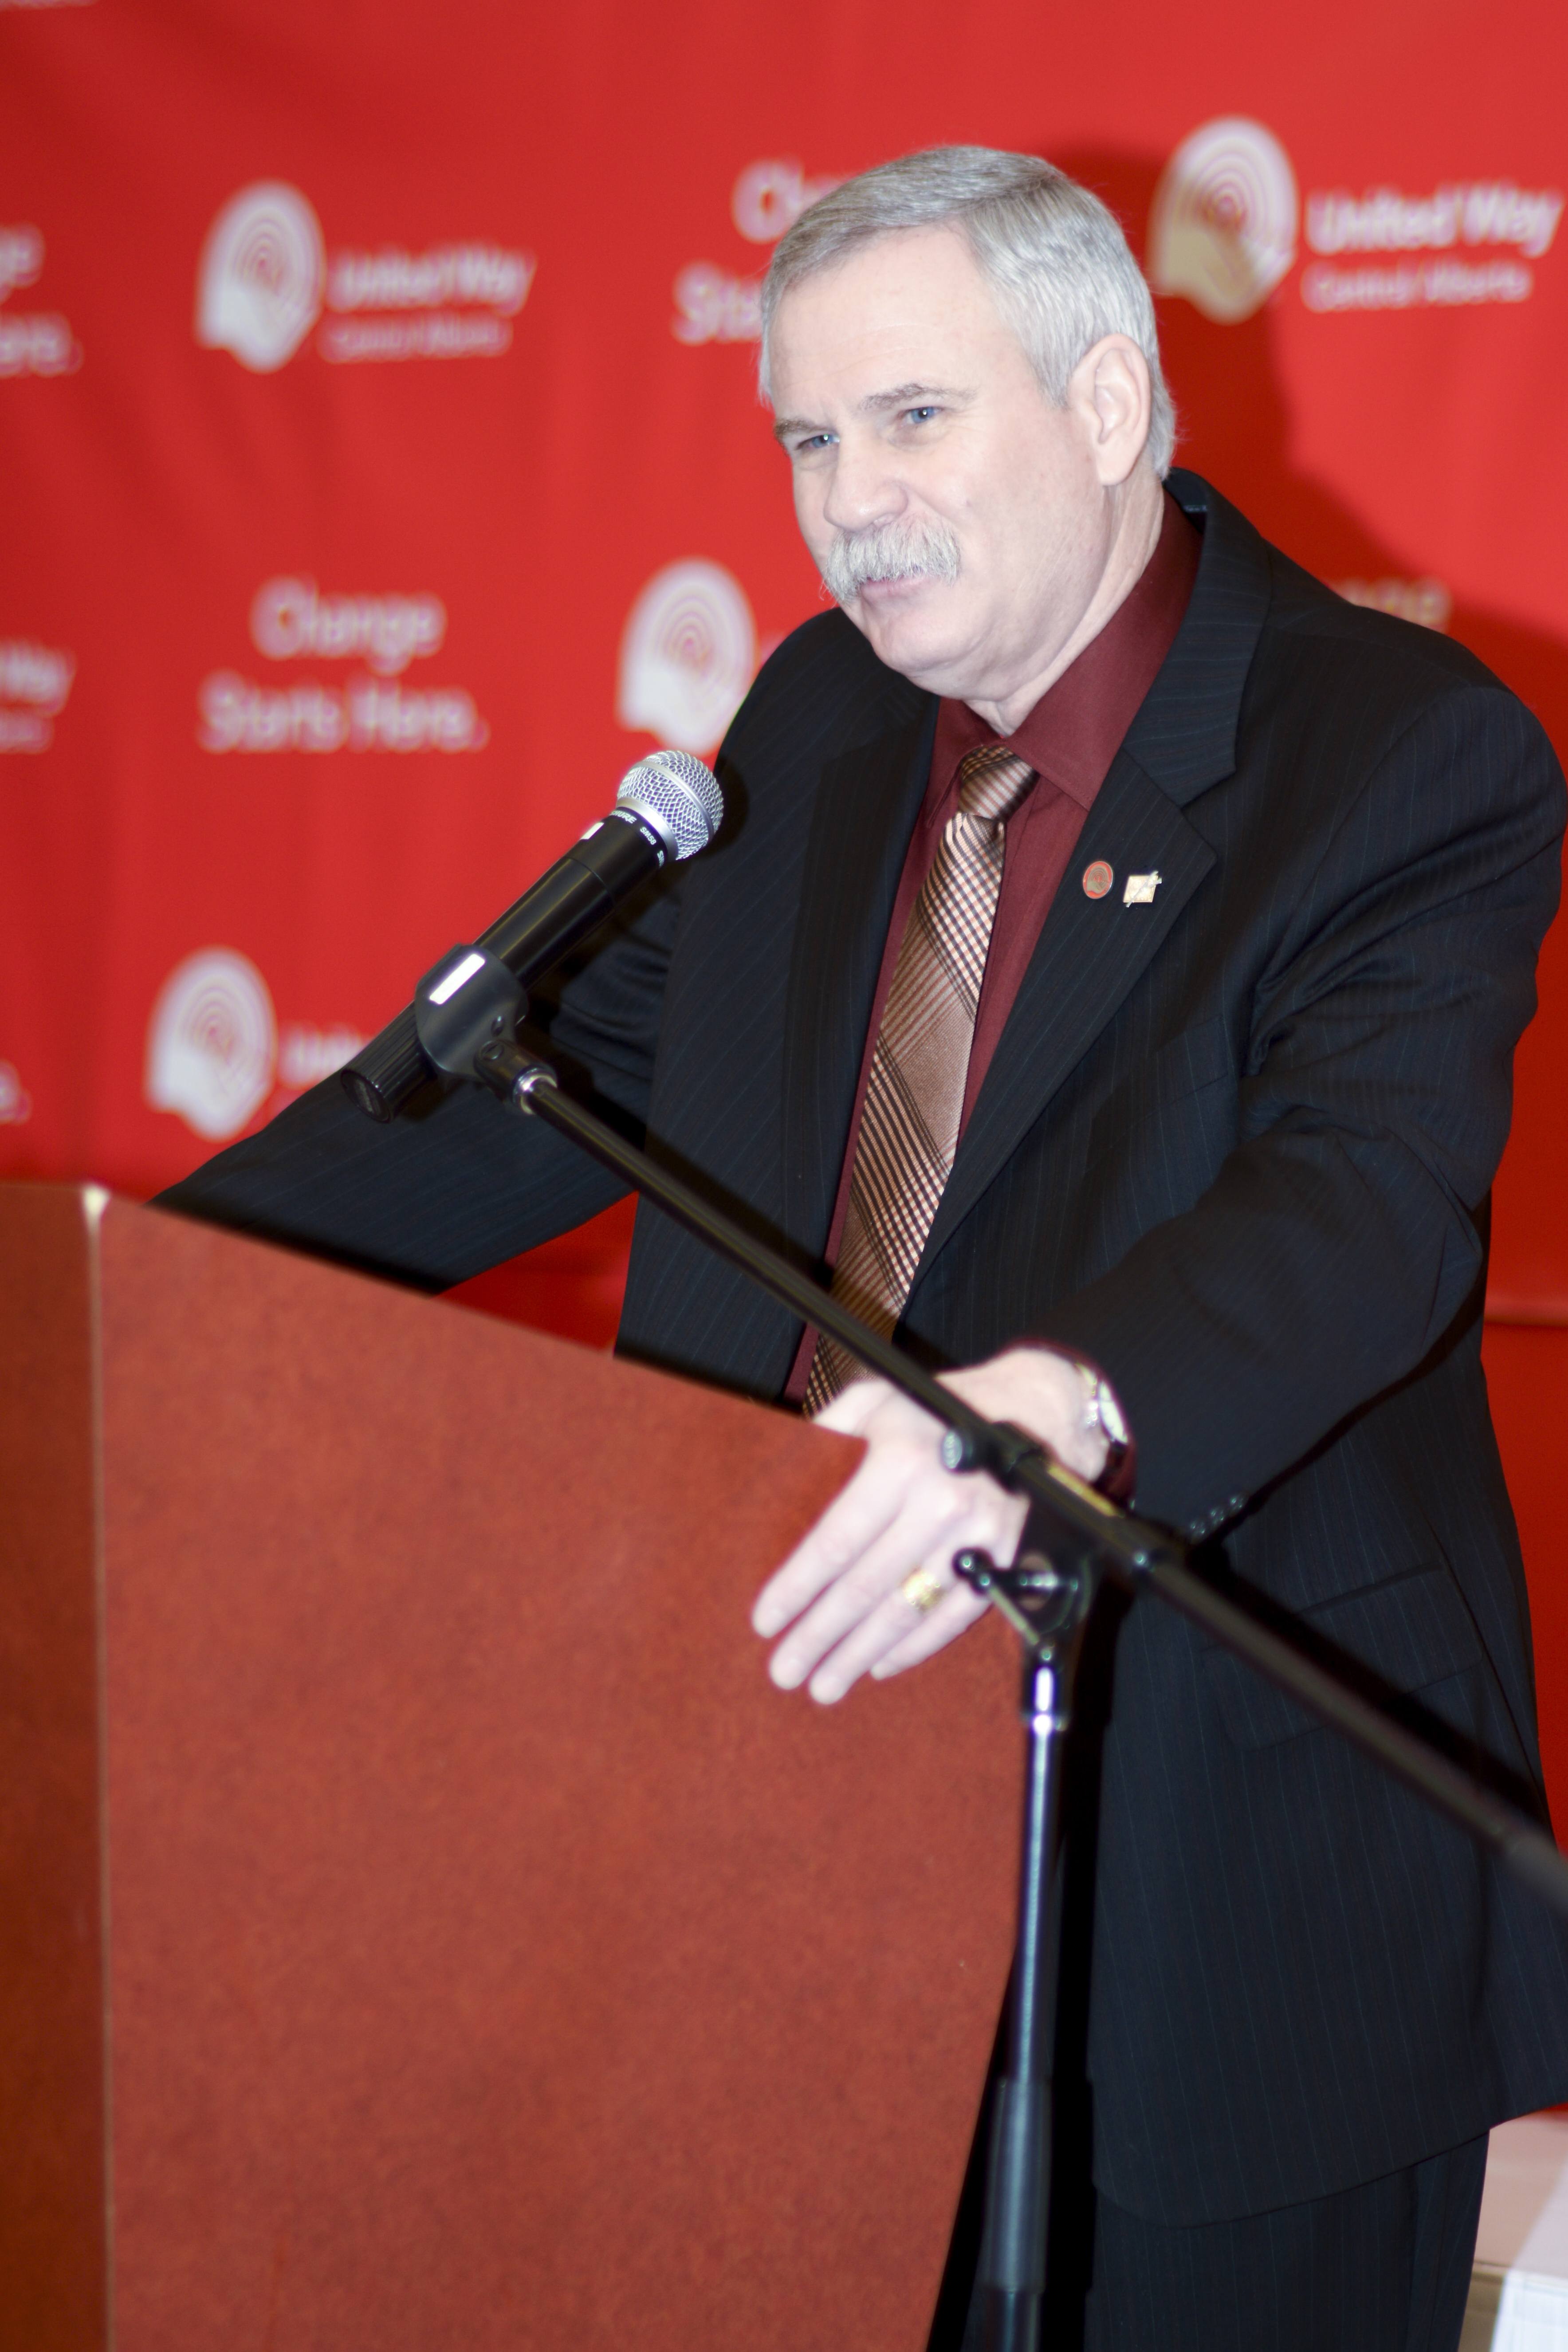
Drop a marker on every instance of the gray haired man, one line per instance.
(1111, 985)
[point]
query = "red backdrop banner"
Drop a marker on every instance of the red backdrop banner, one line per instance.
(385, 467)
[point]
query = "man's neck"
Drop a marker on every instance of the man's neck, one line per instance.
(1140, 520)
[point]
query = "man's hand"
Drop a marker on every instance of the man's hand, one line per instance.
(902, 1511)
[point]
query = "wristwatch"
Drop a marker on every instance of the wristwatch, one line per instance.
(1101, 1411)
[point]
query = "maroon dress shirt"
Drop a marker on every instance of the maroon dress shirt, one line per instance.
(1070, 739)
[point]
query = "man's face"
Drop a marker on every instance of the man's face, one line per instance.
(921, 443)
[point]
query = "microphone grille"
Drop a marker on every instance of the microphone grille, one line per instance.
(680, 797)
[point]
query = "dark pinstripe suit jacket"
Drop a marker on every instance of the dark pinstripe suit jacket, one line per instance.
(1234, 1144)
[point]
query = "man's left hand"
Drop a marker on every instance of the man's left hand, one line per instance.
(903, 1513)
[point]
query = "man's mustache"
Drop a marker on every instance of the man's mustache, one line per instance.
(904, 547)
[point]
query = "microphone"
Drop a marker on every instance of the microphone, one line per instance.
(668, 806)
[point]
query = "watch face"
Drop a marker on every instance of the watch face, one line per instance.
(1110, 1413)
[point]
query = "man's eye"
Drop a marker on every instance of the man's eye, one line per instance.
(923, 415)
(813, 441)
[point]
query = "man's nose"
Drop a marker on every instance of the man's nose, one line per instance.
(864, 488)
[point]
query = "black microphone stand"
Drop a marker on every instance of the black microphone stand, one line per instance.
(1048, 1605)
(1072, 1537)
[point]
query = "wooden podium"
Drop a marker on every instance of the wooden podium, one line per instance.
(422, 1925)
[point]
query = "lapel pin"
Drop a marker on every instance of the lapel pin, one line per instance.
(1140, 890)
(1096, 879)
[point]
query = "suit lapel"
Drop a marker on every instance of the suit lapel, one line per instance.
(867, 803)
(1090, 951)
(1185, 735)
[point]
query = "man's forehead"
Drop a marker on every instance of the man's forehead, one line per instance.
(920, 274)
(904, 317)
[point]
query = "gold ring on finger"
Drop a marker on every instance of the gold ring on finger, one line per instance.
(922, 1588)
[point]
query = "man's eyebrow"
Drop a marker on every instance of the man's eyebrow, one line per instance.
(913, 395)
(877, 404)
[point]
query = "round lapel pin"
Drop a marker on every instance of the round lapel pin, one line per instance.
(1096, 879)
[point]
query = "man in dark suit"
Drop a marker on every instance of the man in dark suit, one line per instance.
(1110, 967)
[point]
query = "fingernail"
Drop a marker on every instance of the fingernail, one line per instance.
(765, 1620)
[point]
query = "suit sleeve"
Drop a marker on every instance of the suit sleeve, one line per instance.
(460, 1182)
(1344, 1234)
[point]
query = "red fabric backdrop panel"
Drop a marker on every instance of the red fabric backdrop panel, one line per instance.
(380, 442)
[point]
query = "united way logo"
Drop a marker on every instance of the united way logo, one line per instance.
(688, 655)
(212, 1044)
(266, 278)
(258, 292)
(1225, 219)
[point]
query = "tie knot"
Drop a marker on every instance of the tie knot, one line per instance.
(991, 782)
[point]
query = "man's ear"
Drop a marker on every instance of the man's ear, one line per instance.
(1110, 390)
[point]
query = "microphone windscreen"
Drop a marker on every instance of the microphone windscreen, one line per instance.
(678, 796)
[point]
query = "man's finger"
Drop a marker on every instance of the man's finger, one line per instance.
(958, 1610)
(844, 1600)
(886, 1635)
(853, 1522)
(852, 1408)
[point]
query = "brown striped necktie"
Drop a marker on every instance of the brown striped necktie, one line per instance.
(914, 1096)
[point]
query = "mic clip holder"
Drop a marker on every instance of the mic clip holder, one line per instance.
(1044, 1600)
(466, 1001)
